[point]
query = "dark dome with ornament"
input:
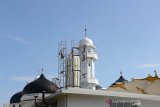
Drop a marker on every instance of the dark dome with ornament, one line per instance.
(40, 85)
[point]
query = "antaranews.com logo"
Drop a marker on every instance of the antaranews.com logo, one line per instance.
(122, 101)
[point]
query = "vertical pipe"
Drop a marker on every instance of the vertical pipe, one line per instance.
(43, 96)
(73, 65)
(35, 100)
(66, 100)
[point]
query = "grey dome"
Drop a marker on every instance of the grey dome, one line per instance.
(86, 41)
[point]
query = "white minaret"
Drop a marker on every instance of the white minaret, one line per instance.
(88, 57)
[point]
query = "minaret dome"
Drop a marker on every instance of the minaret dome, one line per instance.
(86, 42)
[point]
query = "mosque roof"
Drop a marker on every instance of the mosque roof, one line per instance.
(149, 85)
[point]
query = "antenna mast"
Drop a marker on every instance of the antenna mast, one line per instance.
(62, 55)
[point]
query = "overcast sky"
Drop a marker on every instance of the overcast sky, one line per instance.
(126, 34)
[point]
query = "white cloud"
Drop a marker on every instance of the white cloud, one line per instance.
(149, 65)
(19, 39)
(22, 78)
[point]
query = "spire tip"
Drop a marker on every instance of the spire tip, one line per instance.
(85, 31)
(121, 72)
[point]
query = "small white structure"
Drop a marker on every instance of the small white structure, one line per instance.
(6, 105)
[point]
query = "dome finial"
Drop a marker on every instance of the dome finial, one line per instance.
(121, 72)
(42, 70)
(85, 31)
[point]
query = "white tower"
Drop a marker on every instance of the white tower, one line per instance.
(88, 57)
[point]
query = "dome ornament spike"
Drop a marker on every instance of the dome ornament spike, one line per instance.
(121, 72)
(85, 32)
(42, 70)
(156, 75)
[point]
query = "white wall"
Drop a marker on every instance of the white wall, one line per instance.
(85, 101)
(147, 103)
